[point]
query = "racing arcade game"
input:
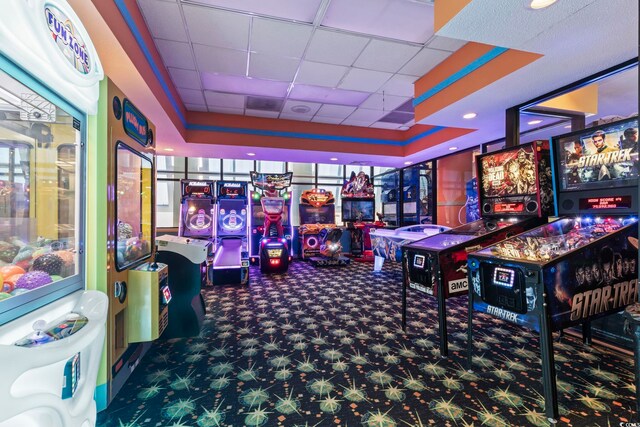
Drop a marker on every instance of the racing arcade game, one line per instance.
(231, 259)
(575, 269)
(358, 208)
(273, 248)
(515, 196)
(319, 235)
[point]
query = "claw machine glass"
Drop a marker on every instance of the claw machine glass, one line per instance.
(581, 268)
(51, 329)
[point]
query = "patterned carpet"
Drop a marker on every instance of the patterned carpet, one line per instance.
(323, 347)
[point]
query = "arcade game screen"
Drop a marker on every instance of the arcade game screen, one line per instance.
(39, 204)
(317, 215)
(555, 239)
(603, 159)
(357, 210)
(509, 173)
(134, 189)
(257, 215)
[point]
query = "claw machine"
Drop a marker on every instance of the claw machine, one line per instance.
(52, 324)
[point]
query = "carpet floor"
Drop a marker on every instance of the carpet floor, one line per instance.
(323, 347)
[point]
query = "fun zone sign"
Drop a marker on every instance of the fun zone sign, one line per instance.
(67, 39)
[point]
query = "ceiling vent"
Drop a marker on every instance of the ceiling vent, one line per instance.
(300, 109)
(407, 107)
(398, 117)
(264, 104)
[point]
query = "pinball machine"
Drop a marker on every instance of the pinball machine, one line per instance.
(580, 269)
(515, 196)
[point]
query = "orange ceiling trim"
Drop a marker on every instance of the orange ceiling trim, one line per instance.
(501, 66)
(123, 32)
(445, 11)
(437, 138)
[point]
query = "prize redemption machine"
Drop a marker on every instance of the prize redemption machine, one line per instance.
(231, 250)
(575, 269)
(358, 208)
(515, 196)
(271, 231)
(51, 329)
(319, 235)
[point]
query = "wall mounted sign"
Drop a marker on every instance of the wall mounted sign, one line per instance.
(67, 39)
(135, 123)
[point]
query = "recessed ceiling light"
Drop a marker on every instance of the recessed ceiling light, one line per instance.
(168, 149)
(567, 127)
(469, 116)
(534, 122)
(407, 163)
(541, 4)
(404, 128)
(333, 159)
(453, 148)
(251, 154)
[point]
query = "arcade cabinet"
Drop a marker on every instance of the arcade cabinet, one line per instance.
(273, 250)
(196, 209)
(575, 269)
(231, 249)
(187, 259)
(515, 196)
(358, 207)
(319, 235)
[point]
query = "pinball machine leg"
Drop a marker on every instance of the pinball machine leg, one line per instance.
(586, 332)
(442, 324)
(548, 370)
(470, 333)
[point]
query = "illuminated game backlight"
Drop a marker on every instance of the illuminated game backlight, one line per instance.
(504, 277)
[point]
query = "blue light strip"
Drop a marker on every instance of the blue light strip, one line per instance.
(147, 54)
(246, 131)
(465, 71)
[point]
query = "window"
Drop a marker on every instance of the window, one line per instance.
(270, 167)
(134, 191)
(203, 166)
(168, 194)
(330, 174)
(302, 172)
(40, 205)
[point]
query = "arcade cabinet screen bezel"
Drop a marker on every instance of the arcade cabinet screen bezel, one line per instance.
(501, 159)
(310, 214)
(563, 172)
(347, 214)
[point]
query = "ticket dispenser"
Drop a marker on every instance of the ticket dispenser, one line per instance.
(149, 297)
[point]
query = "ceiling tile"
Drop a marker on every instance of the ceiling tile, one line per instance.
(175, 54)
(328, 120)
(297, 10)
(327, 95)
(279, 38)
(217, 27)
(424, 62)
(228, 100)
(364, 80)
(218, 60)
(335, 111)
(384, 55)
(397, 19)
(164, 20)
(446, 43)
(186, 79)
(298, 117)
(196, 107)
(385, 102)
(226, 110)
(244, 85)
(272, 67)
(400, 85)
(260, 113)
(316, 73)
(361, 123)
(335, 48)
(312, 107)
(191, 96)
(384, 125)
(363, 114)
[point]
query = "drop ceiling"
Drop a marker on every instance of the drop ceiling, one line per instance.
(347, 62)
